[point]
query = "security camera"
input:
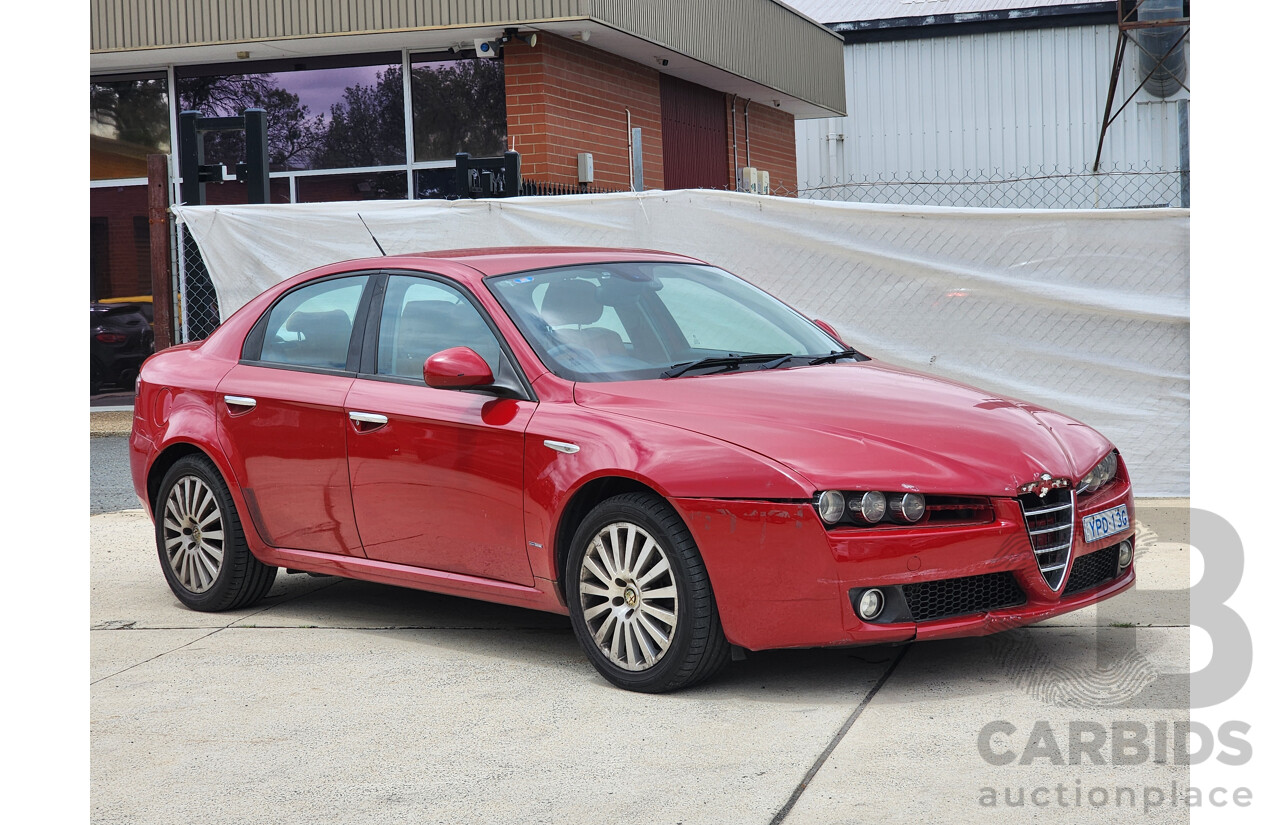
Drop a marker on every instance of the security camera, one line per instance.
(661, 61)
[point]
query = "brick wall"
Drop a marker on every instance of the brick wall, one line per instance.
(773, 142)
(564, 97)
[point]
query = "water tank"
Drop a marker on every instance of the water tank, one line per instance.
(1167, 80)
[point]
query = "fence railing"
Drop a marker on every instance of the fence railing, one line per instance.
(1029, 188)
(533, 188)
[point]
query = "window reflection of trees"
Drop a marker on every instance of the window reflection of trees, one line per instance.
(458, 105)
(131, 111)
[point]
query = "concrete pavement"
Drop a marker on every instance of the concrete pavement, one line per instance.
(336, 701)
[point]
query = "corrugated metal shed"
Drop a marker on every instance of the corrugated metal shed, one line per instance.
(965, 105)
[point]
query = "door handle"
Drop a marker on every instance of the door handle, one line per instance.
(239, 404)
(366, 421)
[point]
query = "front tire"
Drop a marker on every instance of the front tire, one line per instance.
(639, 597)
(200, 542)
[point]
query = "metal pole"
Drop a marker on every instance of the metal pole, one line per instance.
(190, 156)
(1111, 94)
(1184, 150)
(256, 155)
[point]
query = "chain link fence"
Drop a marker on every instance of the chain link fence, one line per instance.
(195, 302)
(1030, 188)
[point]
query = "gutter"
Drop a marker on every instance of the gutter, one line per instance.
(976, 22)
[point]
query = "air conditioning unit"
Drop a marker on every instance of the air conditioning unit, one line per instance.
(749, 179)
(764, 182)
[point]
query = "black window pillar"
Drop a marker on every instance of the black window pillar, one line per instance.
(195, 173)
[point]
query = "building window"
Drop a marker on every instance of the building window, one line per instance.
(128, 120)
(459, 105)
(119, 242)
(358, 186)
(323, 113)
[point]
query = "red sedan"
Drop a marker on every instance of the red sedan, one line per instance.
(672, 457)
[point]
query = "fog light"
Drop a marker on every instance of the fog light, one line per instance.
(871, 507)
(1126, 554)
(870, 604)
(908, 508)
(831, 506)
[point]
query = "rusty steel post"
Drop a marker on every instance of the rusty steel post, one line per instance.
(161, 276)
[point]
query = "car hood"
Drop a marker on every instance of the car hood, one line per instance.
(867, 425)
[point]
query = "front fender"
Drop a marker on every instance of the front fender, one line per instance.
(673, 462)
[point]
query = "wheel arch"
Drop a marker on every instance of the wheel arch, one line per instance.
(168, 457)
(583, 501)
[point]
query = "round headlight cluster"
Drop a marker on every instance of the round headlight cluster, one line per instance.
(870, 507)
(1101, 475)
(908, 508)
(831, 506)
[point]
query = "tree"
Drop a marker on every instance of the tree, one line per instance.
(293, 134)
(136, 111)
(459, 106)
(366, 127)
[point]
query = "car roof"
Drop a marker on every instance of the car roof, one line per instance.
(508, 259)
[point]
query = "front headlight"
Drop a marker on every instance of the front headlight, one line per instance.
(1101, 475)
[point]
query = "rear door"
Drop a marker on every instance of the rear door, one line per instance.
(281, 416)
(437, 475)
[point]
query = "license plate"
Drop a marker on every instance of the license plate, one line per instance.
(1108, 522)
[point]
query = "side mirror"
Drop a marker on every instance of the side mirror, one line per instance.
(830, 330)
(457, 368)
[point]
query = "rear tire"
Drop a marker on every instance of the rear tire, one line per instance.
(639, 597)
(201, 544)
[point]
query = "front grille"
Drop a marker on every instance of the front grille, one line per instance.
(958, 597)
(1092, 570)
(1051, 528)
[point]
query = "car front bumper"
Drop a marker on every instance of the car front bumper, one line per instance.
(781, 579)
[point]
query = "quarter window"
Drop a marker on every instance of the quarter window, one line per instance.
(311, 326)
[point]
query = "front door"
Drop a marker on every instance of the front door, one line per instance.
(437, 476)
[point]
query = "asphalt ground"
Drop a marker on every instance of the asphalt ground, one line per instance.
(336, 701)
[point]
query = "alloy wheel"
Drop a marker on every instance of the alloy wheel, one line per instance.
(193, 534)
(628, 595)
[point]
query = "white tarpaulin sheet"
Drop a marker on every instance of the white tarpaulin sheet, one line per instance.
(1086, 312)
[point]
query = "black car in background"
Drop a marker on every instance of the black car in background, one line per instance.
(120, 339)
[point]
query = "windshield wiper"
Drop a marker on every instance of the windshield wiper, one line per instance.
(837, 356)
(728, 362)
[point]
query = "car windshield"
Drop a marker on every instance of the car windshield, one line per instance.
(629, 321)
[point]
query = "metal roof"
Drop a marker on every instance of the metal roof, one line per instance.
(759, 49)
(849, 11)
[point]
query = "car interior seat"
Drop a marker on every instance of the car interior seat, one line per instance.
(571, 306)
(325, 338)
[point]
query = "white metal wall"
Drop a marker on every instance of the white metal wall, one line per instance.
(1000, 102)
